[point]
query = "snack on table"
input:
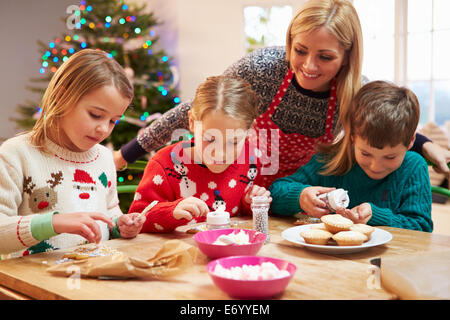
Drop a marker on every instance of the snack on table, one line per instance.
(197, 229)
(336, 223)
(363, 228)
(350, 238)
(316, 236)
(320, 226)
(304, 219)
(338, 228)
(89, 250)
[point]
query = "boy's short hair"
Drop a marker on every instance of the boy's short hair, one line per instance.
(385, 114)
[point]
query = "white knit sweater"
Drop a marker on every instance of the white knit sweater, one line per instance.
(35, 184)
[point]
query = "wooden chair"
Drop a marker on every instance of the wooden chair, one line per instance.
(436, 189)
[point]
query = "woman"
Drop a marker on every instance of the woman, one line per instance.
(304, 90)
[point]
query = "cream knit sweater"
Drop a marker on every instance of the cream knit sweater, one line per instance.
(34, 185)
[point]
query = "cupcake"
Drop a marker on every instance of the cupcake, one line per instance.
(363, 228)
(320, 226)
(349, 238)
(316, 236)
(336, 223)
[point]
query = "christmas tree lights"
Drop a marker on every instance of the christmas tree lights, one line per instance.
(125, 31)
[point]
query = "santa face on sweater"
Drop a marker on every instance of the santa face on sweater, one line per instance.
(84, 191)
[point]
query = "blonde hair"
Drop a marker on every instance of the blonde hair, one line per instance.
(83, 72)
(383, 114)
(233, 96)
(341, 19)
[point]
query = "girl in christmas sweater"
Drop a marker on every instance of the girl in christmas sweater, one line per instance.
(218, 167)
(58, 184)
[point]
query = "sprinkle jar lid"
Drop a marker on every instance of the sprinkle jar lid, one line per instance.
(260, 200)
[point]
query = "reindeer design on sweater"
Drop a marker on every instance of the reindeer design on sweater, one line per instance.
(187, 186)
(44, 198)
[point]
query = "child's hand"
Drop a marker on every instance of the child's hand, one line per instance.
(188, 207)
(81, 223)
(311, 204)
(256, 191)
(130, 224)
(359, 214)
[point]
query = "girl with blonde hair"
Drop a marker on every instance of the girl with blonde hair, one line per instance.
(217, 168)
(387, 185)
(58, 186)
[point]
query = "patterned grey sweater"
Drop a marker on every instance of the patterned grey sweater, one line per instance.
(301, 111)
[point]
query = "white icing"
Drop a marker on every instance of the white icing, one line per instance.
(264, 271)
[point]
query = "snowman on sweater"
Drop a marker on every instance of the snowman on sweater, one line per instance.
(187, 186)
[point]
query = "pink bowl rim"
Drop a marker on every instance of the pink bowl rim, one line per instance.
(216, 261)
(196, 236)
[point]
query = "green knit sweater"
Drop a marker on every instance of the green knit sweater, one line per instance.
(401, 200)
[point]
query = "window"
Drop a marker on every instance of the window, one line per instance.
(266, 26)
(407, 41)
(378, 26)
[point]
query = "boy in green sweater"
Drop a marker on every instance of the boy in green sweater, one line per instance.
(387, 185)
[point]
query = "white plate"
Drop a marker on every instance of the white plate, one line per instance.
(378, 237)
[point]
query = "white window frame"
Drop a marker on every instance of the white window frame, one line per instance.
(401, 52)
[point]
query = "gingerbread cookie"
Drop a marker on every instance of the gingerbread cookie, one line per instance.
(90, 250)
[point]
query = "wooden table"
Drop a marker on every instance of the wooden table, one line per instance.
(318, 276)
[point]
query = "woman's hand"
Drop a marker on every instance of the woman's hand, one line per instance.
(130, 224)
(311, 204)
(256, 191)
(119, 161)
(190, 207)
(81, 223)
(438, 155)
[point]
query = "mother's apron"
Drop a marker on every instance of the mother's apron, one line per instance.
(284, 156)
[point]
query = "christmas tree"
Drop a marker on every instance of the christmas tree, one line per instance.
(125, 32)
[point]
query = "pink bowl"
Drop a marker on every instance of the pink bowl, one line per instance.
(251, 289)
(206, 238)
